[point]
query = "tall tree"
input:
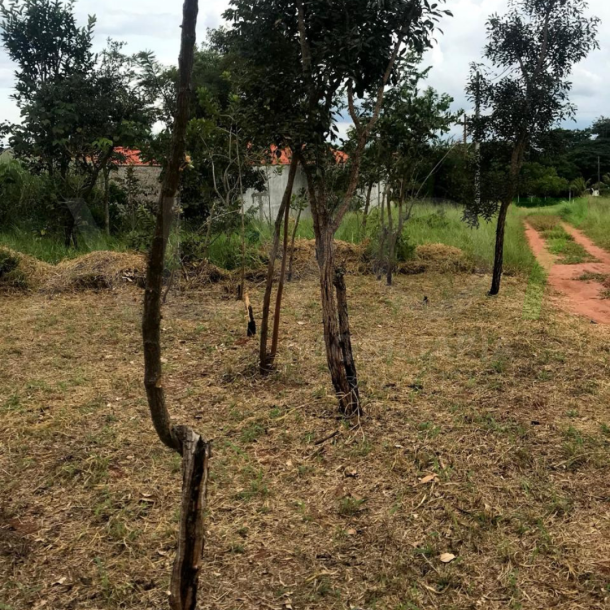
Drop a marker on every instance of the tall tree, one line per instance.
(191, 446)
(76, 107)
(325, 50)
(532, 50)
(353, 47)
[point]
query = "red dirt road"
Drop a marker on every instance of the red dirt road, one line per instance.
(575, 295)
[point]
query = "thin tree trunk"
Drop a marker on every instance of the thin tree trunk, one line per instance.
(242, 286)
(280, 292)
(294, 235)
(208, 230)
(346, 342)
(382, 234)
(263, 354)
(107, 201)
(367, 205)
(195, 451)
(515, 168)
(185, 574)
(499, 252)
(391, 242)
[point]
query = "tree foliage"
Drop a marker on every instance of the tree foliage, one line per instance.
(523, 90)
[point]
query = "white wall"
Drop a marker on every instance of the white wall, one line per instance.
(277, 179)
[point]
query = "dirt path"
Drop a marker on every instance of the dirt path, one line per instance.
(575, 295)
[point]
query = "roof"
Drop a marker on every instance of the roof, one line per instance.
(285, 156)
(132, 157)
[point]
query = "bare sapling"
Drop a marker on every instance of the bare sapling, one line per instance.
(266, 357)
(195, 451)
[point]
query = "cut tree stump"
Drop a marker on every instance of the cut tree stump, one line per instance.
(187, 565)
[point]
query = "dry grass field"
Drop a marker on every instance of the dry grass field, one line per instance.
(486, 436)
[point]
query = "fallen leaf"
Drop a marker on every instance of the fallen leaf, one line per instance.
(431, 478)
(447, 557)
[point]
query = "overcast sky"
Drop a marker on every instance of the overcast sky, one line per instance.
(154, 25)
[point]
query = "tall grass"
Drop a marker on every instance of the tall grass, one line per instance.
(51, 249)
(431, 224)
(434, 223)
(589, 214)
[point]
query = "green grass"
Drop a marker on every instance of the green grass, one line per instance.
(433, 223)
(589, 214)
(51, 249)
(559, 241)
(430, 223)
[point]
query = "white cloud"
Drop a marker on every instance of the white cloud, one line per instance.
(155, 25)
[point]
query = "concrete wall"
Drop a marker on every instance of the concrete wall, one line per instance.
(147, 175)
(268, 202)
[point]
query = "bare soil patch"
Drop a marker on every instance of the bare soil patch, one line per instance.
(486, 436)
(585, 298)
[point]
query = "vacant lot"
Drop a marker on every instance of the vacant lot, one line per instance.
(487, 436)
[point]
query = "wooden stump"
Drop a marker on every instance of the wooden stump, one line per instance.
(185, 575)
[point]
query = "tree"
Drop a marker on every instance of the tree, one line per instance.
(194, 450)
(323, 50)
(76, 107)
(409, 127)
(533, 49)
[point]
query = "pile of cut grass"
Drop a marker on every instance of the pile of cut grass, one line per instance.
(20, 272)
(432, 223)
(97, 271)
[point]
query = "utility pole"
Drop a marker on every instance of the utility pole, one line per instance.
(465, 130)
(477, 145)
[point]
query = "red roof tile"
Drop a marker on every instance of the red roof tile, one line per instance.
(132, 157)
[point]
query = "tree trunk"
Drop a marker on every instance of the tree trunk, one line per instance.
(391, 243)
(294, 235)
(367, 205)
(263, 354)
(345, 339)
(382, 234)
(515, 168)
(195, 452)
(280, 292)
(499, 253)
(107, 201)
(334, 322)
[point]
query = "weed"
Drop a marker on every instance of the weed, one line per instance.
(350, 506)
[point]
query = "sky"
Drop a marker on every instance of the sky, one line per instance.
(155, 25)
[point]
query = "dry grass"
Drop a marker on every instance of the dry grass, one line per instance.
(486, 436)
(97, 270)
(20, 272)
